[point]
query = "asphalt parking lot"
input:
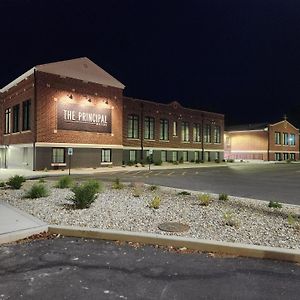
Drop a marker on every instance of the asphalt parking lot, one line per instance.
(276, 182)
(73, 268)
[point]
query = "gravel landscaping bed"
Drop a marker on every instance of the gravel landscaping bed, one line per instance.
(253, 222)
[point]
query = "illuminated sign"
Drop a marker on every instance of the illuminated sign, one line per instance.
(72, 116)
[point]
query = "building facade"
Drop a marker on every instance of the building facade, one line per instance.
(264, 141)
(75, 107)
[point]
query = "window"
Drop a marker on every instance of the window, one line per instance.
(164, 130)
(174, 156)
(285, 138)
(277, 138)
(292, 156)
(197, 133)
(217, 135)
(16, 113)
(163, 156)
(174, 128)
(278, 156)
(133, 127)
(58, 155)
(185, 132)
(7, 128)
(285, 156)
(207, 134)
(149, 128)
(292, 139)
(217, 156)
(132, 155)
(105, 155)
(197, 156)
(185, 156)
(26, 115)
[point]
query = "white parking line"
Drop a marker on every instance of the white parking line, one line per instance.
(170, 173)
(196, 173)
(183, 173)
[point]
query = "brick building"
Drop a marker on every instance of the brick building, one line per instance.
(76, 104)
(264, 141)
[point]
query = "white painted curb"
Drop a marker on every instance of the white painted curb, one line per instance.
(179, 242)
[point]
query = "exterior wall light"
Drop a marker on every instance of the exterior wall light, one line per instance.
(70, 96)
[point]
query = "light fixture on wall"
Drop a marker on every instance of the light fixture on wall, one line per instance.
(105, 101)
(70, 96)
(89, 99)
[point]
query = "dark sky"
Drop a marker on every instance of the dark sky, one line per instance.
(238, 57)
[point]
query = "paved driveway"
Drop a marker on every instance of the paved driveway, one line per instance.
(277, 182)
(71, 268)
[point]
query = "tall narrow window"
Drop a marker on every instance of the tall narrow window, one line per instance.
(26, 115)
(197, 133)
(164, 130)
(174, 128)
(133, 127)
(185, 132)
(7, 128)
(292, 139)
(149, 128)
(207, 134)
(16, 114)
(163, 155)
(217, 135)
(285, 138)
(105, 155)
(277, 138)
(132, 156)
(58, 155)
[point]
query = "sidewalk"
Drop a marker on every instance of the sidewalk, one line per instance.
(16, 224)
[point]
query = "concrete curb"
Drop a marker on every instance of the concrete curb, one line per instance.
(175, 241)
(21, 234)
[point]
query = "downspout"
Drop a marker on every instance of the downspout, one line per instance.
(35, 123)
(202, 138)
(268, 142)
(142, 132)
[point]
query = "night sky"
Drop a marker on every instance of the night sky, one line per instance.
(237, 57)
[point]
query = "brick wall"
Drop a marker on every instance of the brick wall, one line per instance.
(16, 95)
(52, 88)
(172, 112)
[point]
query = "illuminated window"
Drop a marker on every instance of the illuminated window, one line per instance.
(285, 138)
(106, 155)
(285, 156)
(16, 115)
(292, 156)
(185, 137)
(26, 115)
(132, 156)
(207, 134)
(149, 128)
(185, 156)
(278, 156)
(174, 156)
(133, 127)
(163, 155)
(197, 157)
(164, 130)
(292, 139)
(58, 155)
(217, 135)
(174, 128)
(7, 128)
(197, 133)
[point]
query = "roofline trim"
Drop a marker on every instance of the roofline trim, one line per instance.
(248, 130)
(18, 80)
(284, 121)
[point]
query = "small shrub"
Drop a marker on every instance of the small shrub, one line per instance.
(42, 180)
(117, 185)
(184, 193)
(15, 182)
(158, 163)
(2, 184)
(181, 160)
(38, 190)
(205, 199)
(223, 197)
(45, 170)
(153, 188)
(130, 163)
(175, 162)
(229, 219)
(64, 182)
(217, 161)
(274, 204)
(230, 160)
(155, 203)
(137, 192)
(85, 194)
